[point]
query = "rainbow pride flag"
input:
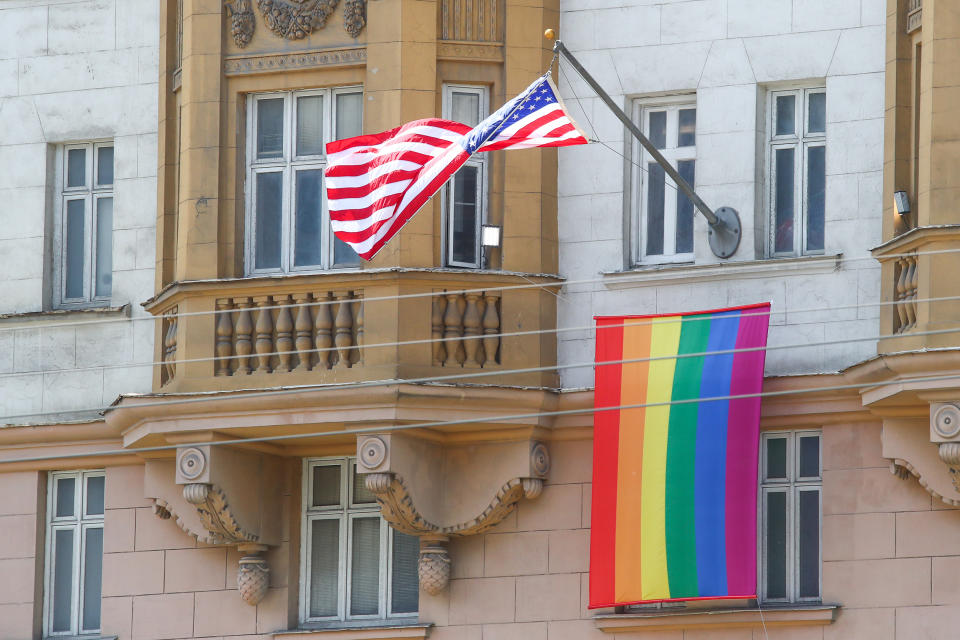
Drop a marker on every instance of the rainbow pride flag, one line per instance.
(674, 512)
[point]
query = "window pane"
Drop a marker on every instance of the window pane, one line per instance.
(776, 539)
(73, 245)
(776, 459)
(465, 108)
(343, 254)
(308, 240)
(817, 113)
(95, 496)
(105, 166)
(66, 490)
(104, 282)
(687, 128)
(809, 457)
(783, 206)
(62, 578)
(405, 585)
(92, 578)
(658, 129)
(326, 486)
(324, 559)
(685, 209)
(360, 493)
(269, 219)
(816, 188)
(310, 125)
(76, 167)
(365, 567)
(786, 110)
(809, 543)
(655, 195)
(465, 212)
(270, 128)
(349, 115)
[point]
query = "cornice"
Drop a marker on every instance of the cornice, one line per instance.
(464, 51)
(250, 64)
(656, 275)
(916, 238)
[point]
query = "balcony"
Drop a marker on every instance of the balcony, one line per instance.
(344, 327)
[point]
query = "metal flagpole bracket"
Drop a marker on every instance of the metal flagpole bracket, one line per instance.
(724, 234)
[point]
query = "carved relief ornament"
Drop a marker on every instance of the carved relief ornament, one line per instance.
(292, 19)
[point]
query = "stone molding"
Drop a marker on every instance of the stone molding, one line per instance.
(733, 618)
(267, 63)
(476, 51)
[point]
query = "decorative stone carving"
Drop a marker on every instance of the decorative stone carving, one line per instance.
(245, 65)
(539, 459)
(295, 19)
(373, 451)
(433, 567)
(241, 21)
(192, 463)
(253, 578)
(354, 16)
(214, 511)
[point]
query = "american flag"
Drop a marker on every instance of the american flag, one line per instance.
(375, 183)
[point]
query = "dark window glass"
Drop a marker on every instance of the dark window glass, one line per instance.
(62, 579)
(76, 167)
(405, 586)
(809, 456)
(66, 490)
(365, 567)
(92, 578)
(74, 245)
(658, 129)
(309, 125)
(809, 543)
(816, 183)
(360, 493)
(687, 128)
(783, 202)
(104, 275)
(465, 212)
(776, 539)
(817, 113)
(326, 486)
(95, 495)
(655, 206)
(270, 128)
(269, 220)
(777, 459)
(686, 169)
(308, 239)
(324, 559)
(786, 113)
(105, 166)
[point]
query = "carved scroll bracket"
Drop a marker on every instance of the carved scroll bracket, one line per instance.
(930, 452)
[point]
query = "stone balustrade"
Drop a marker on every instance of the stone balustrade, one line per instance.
(465, 329)
(905, 294)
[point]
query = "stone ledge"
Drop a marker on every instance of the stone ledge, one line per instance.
(381, 632)
(72, 316)
(661, 620)
(691, 273)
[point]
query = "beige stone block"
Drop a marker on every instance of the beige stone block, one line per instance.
(515, 554)
(132, 574)
(852, 446)
(16, 580)
(223, 613)
(160, 617)
(718, 634)
(549, 597)
(18, 493)
(587, 501)
(155, 533)
(569, 551)
(946, 580)
(482, 600)
(788, 633)
(859, 536)
(574, 630)
(124, 488)
(928, 533)
(472, 632)
(17, 621)
(871, 490)
(116, 617)
(233, 567)
(506, 525)
(119, 528)
(19, 536)
(877, 583)
(559, 507)
(927, 623)
(466, 555)
(525, 631)
(571, 461)
(435, 609)
(195, 570)
(861, 624)
(272, 612)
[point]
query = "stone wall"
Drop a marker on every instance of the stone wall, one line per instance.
(73, 72)
(21, 554)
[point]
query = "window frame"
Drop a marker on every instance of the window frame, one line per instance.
(792, 486)
(91, 192)
(642, 108)
(288, 165)
(345, 513)
(80, 524)
(480, 162)
(800, 141)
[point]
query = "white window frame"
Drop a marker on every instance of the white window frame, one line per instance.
(477, 160)
(801, 140)
(80, 523)
(90, 193)
(288, 165)
(346, 512)
(792, 486)
(642, 108)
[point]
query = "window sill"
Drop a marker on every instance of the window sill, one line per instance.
(665, 620)
(691, 273)
(344, 631)
(81, 314)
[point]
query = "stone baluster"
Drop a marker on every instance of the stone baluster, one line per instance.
(452, 330)
(436, 329)
(224, 346)
(471, 331)
(344, 325)
(243, 332)
(899, 288)
(491, 329)
(358, 330)
(264, 329)
(303, 327)
(170, 346)
(910, 291)
(284, 335)
(322, 326)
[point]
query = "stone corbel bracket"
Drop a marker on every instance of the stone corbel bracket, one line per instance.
(927, 450)
(426, 489)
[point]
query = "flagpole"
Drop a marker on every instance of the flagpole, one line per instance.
(724, 234)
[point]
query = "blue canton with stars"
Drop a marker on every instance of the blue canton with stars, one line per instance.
(537, 96)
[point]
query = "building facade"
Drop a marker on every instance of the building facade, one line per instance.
(317, 447)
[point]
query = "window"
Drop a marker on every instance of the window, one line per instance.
(288, 227)
(465, 195)
(664, 215)
(791, 482)
(355, 567)
(797, 169)
(74, 552)
(84, 225)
